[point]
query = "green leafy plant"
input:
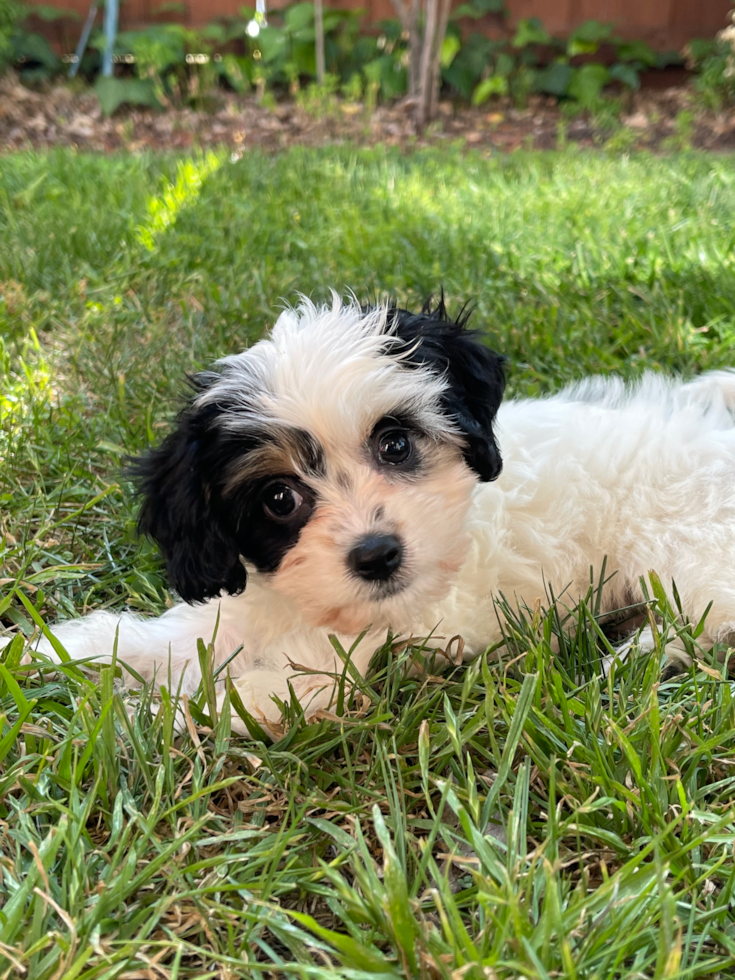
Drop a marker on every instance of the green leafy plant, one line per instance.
(173, 65)
(320, 100)
(34, 56)
(681, 139)
(11, 13)
(170, 64)
(385, 62)
(114, 92)
(478, 59)
(534, 61)
(714, 62)
(286, 46)
(28, 51)
(479, 8)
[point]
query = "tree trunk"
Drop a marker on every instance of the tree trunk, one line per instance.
(414, 49)
(436, 67)
(425, 22)
(319, 41)
(423, 109)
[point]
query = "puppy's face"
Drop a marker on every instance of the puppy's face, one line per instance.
(337, 459)
(380, 527)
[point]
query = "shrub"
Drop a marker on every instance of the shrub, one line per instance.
(714, 62)
(535, 61)
(11, 13)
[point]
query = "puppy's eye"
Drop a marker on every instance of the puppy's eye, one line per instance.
(281, 502)
(394, 447)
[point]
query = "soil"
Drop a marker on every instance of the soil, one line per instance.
(659, 119)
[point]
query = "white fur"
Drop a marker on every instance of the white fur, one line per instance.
(642, 476)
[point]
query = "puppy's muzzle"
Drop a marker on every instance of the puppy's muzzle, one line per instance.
(376, 557)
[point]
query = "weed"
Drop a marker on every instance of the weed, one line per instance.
(320, 101)
(622, 140)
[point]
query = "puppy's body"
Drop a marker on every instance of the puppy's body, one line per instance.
(346, 467)
(641, 475)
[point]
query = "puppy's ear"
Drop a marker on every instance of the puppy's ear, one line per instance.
(183, 512)
(474, 374)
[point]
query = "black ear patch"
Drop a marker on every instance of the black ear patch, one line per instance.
(183, 508)
(474, 372)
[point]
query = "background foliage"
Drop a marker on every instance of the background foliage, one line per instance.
(170, 63)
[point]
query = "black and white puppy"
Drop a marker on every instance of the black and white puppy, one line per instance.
(347, 471)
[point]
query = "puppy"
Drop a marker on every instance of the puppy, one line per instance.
(345, 475)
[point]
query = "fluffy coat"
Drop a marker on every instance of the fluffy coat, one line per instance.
(289, 462)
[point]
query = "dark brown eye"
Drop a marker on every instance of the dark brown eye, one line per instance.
(281, 502)
(394, 447)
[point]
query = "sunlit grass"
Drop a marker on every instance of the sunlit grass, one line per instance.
(529, 818)
(164, 207)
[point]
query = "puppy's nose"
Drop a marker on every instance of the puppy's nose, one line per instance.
(376, 557)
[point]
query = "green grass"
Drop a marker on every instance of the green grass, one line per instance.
(523, 818)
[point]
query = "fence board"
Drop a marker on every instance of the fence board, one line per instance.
(663, 23)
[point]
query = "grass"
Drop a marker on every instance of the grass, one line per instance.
(522, 818)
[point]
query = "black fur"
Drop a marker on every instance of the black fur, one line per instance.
(201, 519)
(183, 508)
(474, 372)
(264, 542)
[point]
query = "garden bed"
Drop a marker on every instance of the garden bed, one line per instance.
(656, 119)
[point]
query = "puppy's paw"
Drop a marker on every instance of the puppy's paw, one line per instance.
(259, 688)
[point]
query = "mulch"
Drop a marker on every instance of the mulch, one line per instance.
(59, 116)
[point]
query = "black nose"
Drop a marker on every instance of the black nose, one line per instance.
(376, 557)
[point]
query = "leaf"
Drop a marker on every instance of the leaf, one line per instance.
(396, 887)
(587, 83)
(505, 64)
(521, 711)
(327, 827)
(531, 31)
(273, 43)
(35, 616)
(12, 654)
(352, 953)
(555, 78)
(50, 14)
(424, 747)
(206, 666)
(593, 32)
(575, 47)
(235, 71)
(299, 17)
(637, 51)
(478, 8)
(450, 49)
(31, 47)
(386, 72)
(13, 909)
(466, 10)
(588, 37)
(13, 687)
(494, 85)
(627, 74)
(114, 92)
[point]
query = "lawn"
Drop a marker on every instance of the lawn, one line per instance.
(526, 817)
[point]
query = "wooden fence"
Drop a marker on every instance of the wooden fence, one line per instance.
(665, 24)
